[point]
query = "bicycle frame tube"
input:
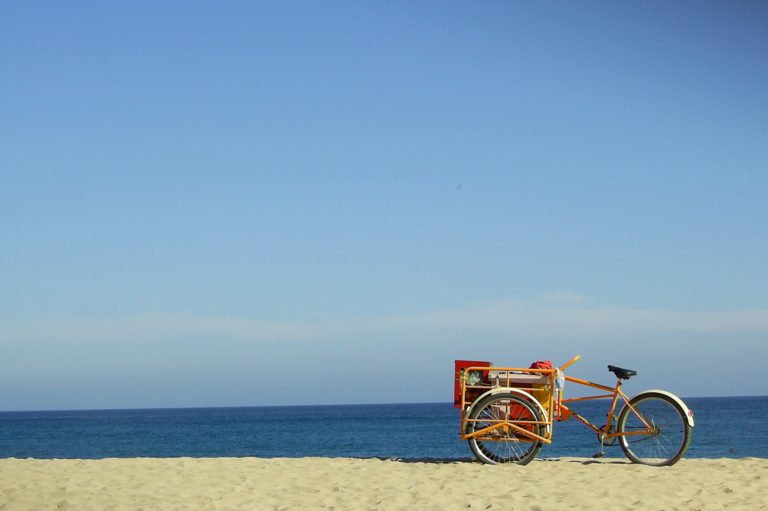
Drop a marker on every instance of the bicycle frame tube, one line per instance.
(507, 425)
(613, 394)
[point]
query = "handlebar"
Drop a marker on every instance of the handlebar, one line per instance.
(571, 361)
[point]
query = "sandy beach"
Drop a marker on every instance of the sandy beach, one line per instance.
(340, 483)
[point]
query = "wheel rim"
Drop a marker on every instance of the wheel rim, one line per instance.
(668, 439)
(505, 445)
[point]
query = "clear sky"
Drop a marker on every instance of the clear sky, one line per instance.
(257, 203)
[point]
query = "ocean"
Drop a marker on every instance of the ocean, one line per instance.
(726, 427)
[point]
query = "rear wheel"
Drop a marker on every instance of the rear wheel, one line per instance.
(505, 444)
(658, 430)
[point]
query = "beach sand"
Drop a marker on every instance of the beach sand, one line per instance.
(340, 483)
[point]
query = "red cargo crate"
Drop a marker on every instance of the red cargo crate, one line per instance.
(459, 365)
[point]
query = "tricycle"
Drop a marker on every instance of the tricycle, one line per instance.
(508, 413)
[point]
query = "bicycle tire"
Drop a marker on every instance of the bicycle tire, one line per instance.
(506, 445)
(669, 440)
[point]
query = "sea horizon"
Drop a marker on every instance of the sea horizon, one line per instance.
(307, 405)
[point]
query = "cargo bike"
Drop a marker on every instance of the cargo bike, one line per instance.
(508, 413)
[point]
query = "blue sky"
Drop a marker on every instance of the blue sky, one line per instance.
(256, 203)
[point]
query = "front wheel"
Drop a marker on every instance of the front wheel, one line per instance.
(504, 444)
(654, 430)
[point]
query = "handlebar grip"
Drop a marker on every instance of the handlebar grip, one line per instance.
(571, 361)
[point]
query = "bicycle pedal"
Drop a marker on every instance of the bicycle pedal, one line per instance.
(598, 455)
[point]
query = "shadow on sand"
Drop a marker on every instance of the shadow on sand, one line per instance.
(448, 461)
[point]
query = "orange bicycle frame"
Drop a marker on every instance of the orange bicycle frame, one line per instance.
(565, 413)
(555, 406)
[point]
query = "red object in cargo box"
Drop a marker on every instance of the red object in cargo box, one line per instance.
(459, 366)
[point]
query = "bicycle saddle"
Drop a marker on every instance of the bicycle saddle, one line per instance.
(622, 373)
